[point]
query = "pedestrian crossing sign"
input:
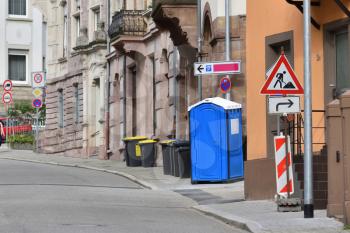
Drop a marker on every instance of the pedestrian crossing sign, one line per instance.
(281, 79)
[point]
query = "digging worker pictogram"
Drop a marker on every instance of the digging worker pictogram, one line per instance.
(280, 81)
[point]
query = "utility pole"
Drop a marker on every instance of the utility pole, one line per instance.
(308, 182)
(199, 34)
(227, 38)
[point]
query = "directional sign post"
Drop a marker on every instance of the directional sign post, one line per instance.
(231, 67)
(281, 105)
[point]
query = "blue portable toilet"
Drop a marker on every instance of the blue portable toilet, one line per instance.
(216, 140)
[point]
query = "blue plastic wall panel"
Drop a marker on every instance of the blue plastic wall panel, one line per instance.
(235, 144)
(209, 151)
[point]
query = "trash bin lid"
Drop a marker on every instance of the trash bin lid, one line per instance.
(134, 138)
(147, 142)
(166, 142)
(179, 143)
(224, 103)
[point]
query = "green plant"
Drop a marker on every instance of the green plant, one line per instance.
(21, 139)
(23, 109)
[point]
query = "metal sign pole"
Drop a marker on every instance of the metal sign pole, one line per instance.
(227, 38)
(7, 125)
(199, 31)
(308, 182)
(37, 130)
(287, 154)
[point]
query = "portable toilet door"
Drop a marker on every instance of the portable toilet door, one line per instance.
(216, 140)
(235, 135)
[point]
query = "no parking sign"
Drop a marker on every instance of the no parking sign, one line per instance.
(38, 79)
(37, 103)
(225, 84)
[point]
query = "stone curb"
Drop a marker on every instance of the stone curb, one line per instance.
(231, 219)
(123, 174)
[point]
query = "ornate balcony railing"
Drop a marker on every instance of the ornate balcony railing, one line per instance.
(127, 22)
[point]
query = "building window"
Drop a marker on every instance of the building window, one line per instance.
(342, 62)
(77, 102)
(17, 7)
(77, 4)
(77, 25)
(96, 19)
(17, 67)
(60, 109)
(65, 30)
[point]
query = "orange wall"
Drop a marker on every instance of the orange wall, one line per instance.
(269, 17)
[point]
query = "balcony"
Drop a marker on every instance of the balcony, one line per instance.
(129, 23)
(173, 2)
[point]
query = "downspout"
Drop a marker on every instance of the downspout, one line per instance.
(176, 96)
(154, 95)
(124, 96)
(107, 106)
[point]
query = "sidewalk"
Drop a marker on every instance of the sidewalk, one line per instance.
(222, 201)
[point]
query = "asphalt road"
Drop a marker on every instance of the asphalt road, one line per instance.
(36, 198)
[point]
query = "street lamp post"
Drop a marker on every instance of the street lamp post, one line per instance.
(308, 182)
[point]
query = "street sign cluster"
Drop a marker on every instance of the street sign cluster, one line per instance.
(282, 85)
(282, 81)
(38, 84)
(7, 95)
(219, 68)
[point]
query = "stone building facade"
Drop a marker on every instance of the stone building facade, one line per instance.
(155, 46)
(147, 62)
(76, 78)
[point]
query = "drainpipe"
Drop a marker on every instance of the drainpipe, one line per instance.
(176, 99)
(124, 96)
(199, 32)
(107, 89)
(227, 37)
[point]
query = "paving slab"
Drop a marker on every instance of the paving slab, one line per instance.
(262, 217)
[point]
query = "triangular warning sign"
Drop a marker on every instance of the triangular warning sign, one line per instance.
(281, 79)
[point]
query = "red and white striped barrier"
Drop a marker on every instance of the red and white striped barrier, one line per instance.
(281, 166)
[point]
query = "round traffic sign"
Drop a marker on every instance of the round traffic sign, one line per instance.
(225, 84)
(37, 103)
(7, 85)
(7, 98)
(38, 78)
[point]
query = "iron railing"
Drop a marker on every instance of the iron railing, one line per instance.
(296, 132)
(128, 22)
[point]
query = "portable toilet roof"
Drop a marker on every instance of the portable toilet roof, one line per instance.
(224, 103)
